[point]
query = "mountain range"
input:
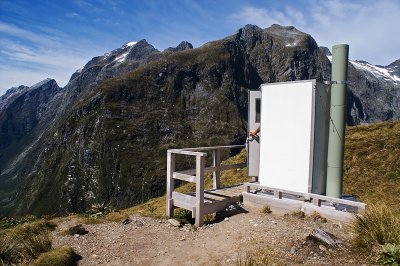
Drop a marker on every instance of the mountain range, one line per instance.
(102, 139)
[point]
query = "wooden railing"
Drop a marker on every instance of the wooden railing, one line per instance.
(195, 204)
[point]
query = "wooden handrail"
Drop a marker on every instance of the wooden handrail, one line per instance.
(207, 148)
(196, 175)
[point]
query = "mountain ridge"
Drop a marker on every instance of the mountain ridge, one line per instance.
(108, 136)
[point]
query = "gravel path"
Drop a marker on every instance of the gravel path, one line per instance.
(148, 241)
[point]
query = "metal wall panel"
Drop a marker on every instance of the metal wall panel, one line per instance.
(321, 128)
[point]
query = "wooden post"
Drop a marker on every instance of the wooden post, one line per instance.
(170, 183)
(247, 188)
(278, 194)
(200, 164)
(317, 202)
(217, 172)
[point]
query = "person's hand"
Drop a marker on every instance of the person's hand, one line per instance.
(253, 133)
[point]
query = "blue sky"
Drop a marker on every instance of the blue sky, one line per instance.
(40, 39)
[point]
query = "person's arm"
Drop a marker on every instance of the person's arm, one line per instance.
(254, 132)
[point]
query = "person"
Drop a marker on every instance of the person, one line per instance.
(254, 132)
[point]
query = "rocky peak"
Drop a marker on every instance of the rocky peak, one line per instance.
(10, 94)
(141, 50)
(325, 50)
(14, 90)
(394, 68)
(184, 46)
(395, 64)
(181, 47)
(47, 86)
(249, 35)
(289, 36)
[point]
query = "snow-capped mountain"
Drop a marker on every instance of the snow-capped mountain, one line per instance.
(374, 92)
(380, 72)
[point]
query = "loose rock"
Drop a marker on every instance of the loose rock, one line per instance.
(324, 237)
(174, 222)
(293, 250)
(77, 230)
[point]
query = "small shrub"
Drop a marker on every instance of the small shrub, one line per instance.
(266, 209)
(8, 222)
(316, 217)
(378, 226)
(389, 255)
(98, 209)
(151, 209)
(209, 218)
(64, 256)
(182, 214)
(298, 214)
(258, 256)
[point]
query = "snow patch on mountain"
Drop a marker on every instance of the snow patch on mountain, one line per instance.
(131, 44)
(121, 58)
(291, 44)
(375, 70)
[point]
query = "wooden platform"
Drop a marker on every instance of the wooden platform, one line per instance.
(214, 200)
(283, 201)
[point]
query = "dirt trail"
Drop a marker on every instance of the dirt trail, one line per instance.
(148, 241)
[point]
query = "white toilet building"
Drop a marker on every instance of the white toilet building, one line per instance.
(290, 152)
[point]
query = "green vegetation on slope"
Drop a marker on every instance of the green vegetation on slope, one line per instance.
(372, 164)
(24, 243)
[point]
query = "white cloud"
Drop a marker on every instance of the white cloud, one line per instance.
(369, 27)
(261, 17)
(27, 57)
(72, 15)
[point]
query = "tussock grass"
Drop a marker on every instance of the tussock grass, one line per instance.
(296, 214)
(266, 209)
(64, 256)
(377, 226)
(258, 256)
(24, 243)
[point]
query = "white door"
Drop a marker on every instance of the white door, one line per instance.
(287, 135)
(253, 144)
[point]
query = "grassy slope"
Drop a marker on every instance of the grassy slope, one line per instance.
(372, 163)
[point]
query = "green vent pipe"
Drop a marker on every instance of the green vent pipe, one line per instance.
(334, 182)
